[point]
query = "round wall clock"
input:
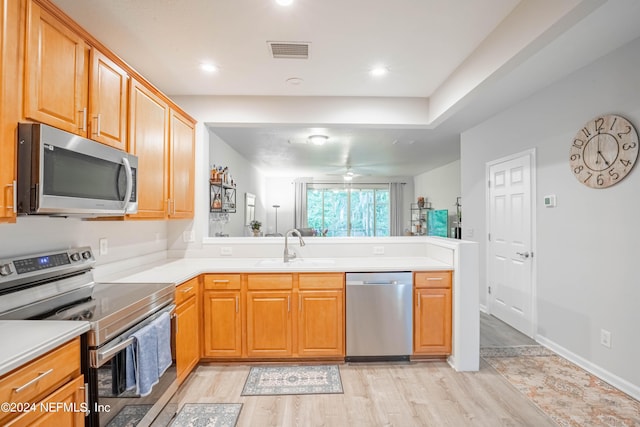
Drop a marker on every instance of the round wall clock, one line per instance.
(604, 151)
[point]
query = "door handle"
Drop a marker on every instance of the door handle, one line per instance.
(523, 254)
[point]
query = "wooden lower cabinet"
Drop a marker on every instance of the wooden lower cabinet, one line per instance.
(64, 407)
(321, 323)
(269, 324)
(222, 324)
(432, 314)
(187, 328)
(52, 384)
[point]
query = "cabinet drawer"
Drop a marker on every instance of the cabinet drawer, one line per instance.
(269, 281)
(433, 279)
(321, 280)
(39, 377)
(186, 290)
(222, 281)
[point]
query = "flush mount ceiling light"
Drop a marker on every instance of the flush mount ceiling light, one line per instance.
(294, 81)
(208, 67)
(318, 139)
(378, 71)
(284, 2)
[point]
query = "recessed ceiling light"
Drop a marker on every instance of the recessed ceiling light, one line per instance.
(318, 139)
(284, 2)
(379, 71)
(208, 67)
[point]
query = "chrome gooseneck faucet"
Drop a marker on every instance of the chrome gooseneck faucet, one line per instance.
(288, 256)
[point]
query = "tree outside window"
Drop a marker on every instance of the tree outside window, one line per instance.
(361, 210)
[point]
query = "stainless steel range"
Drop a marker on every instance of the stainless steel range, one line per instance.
(59, 285)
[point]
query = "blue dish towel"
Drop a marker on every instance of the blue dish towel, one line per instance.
(145, 359)
(130, 368)
(163, 332)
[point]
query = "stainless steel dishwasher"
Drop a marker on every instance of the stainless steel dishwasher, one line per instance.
(379, 316)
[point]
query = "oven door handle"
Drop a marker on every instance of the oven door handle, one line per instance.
(106, 353)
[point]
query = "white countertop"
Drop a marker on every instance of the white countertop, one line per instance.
(25, 340)
(180, 270)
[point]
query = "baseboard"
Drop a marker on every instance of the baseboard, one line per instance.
(619, 383)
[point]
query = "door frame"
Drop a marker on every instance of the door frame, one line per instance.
(531, 154)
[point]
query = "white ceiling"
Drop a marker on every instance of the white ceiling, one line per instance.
(422, 42)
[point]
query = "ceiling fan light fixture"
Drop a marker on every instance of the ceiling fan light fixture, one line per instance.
(318, 139)
(348, 176)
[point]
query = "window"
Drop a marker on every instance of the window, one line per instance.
(359, 210)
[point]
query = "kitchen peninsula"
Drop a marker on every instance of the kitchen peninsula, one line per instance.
(334, 255)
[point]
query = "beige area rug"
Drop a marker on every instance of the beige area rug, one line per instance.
(565, 392)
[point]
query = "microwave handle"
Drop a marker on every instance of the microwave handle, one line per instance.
(127, 170)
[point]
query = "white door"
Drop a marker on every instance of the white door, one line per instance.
(510, 264)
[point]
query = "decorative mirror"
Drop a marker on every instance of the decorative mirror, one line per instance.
(249, 208)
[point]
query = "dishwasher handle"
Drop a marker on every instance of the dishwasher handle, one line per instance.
(377, 282)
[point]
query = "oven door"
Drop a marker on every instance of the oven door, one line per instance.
(110, 401)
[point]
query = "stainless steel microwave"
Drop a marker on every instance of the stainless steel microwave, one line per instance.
(63, 174)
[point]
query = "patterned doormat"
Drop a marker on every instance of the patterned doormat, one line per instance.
(129, 415)
(208, 415)
(565, 392)
(278, 380)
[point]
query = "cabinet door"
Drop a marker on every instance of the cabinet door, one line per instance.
(187, 337)
(321, 323)
(222, 324)
(269, 324)
(432, 322)
(10, 102)
(181, 167)
(56, 77)
(148, 139)
(108, 101)
(65, 408)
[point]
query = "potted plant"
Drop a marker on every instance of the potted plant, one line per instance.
(255, 227)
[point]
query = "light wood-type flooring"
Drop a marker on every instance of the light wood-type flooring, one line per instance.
(382, 394)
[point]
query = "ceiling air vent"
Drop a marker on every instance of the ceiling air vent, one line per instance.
(298, 50)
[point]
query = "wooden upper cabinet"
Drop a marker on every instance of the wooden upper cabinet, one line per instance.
(181, 167)
(10, 103)
(148, 139)
(108, 101)
(56, 72)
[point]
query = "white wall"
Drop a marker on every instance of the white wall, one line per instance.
(126, 239)
(441, 187)
(248, 179)
(586, 252)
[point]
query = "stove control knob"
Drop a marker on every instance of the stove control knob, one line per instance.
(5, 270)
(86, 254)
(75, 256)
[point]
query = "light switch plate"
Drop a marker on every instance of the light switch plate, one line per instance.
(226, 251)
(378, 250)
(550, 201)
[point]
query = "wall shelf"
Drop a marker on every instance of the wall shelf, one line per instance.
(222, 197)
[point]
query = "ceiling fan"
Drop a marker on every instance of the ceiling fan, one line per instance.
(347, 174)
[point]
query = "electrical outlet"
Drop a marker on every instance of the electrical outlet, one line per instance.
(104, 246)
(378, 250)
(605, 338)
(188, 236)
(226, 251)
